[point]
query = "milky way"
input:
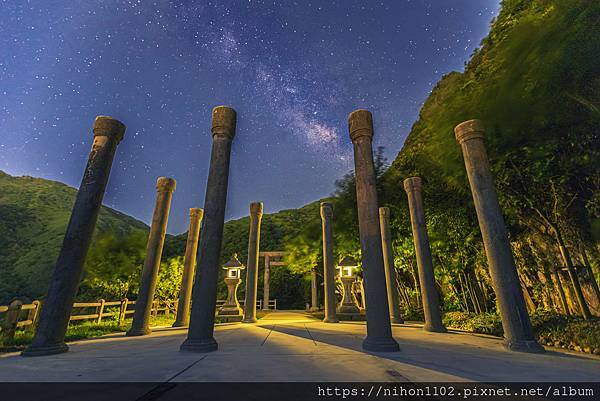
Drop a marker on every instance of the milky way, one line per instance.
(293, 70)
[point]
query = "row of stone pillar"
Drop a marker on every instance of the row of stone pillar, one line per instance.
(377, 258)
(108, 132)
(54, 319)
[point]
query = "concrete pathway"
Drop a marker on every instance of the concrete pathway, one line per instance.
(292, 346)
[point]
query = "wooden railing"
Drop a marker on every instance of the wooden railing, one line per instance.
(81, 311)
(15, 318)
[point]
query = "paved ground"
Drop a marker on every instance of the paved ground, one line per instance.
(291, 346)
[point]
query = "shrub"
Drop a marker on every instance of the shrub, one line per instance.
(484, 323)
(412, 313)
(550, 328)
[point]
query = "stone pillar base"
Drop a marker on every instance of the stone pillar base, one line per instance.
(384, 344)
(314, 309)
(531, 346)
(396, 320)
(250, 320)
(203, 345)
(41, 350)
(333, 319)
(138, 332)
(435, 329)
(180, 324)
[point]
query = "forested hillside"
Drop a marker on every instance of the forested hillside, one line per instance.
(535, 82)
(33, 218)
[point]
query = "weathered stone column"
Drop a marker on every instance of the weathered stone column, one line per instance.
(518, 335)
(314, 294)
(54, 319)
(379, 330)
(388, 264)
(429, 296)
(189, 264)
(328, 268)
(266, 283)
(140, 325)
(204, 296)
(363, 301)
(256, 212)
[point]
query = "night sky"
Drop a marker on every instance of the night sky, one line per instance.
(293, 70)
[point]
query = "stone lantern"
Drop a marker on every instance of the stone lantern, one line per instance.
(346, 270)
(231, 308)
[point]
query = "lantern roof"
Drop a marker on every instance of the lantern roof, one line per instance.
(234, 263)
(348, 262)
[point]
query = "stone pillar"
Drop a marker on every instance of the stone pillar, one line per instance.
(363, 300)
(54, 319)
(429, 296)
(328, 268)
(256, 212)
(189, 264)
(140, 325)
(388, 264)
(379, 330)
(266, 282)
(314, 294)
(204, 296)
(518, 335)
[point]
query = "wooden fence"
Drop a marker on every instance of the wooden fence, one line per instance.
(19, 315)
(15, 318)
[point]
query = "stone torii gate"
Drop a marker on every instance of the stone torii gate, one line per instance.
(267, 276)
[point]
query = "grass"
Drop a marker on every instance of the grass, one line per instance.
(83, 330)
(550, 328)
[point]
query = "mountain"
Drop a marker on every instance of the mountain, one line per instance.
(535, 83)
(34, 213)
(534, 80)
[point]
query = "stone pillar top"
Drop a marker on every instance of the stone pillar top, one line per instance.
(256, 208)
(413, 184)
(326, 210)
(223, 121)
(196, 212)
(110, 127)
(469, 129)
(384, 211)
(360, 123)
(165, 184)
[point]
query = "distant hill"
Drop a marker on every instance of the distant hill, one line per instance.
(34, 213)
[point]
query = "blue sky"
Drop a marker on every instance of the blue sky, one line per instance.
(293, 70)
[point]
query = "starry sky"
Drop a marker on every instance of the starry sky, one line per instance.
(293, 70)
